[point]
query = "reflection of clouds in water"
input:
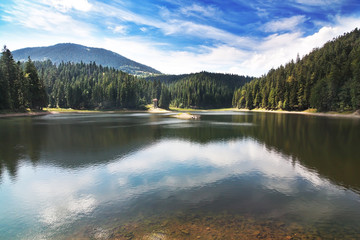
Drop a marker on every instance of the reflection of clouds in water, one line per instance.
(56, 195)
(66, 210)
(171, 166)
(180, 165)
(56, 186)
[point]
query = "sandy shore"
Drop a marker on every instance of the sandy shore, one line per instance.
(158, 110)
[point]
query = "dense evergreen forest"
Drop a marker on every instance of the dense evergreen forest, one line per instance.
(325, 79)
(20, 85)
(91, 86)
(205, 90)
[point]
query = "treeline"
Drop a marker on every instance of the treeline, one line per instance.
(20, 85)
(326, 79)
(91, 86)
(205, 90)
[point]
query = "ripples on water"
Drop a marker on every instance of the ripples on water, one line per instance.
(236, 175)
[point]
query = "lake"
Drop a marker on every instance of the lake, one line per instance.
(229, 175)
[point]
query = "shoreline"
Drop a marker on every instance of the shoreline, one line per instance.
(354, 115)
(24, 114)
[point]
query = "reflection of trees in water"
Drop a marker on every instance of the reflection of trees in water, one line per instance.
(68, 144)
(326, 145)
(20, 140)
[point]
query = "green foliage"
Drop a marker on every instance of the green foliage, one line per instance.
(37, 97)
(326, 79)
(205, 90)
(19, 89)
(165, 98)
(90, 86)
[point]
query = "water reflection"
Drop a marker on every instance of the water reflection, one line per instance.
(327, 145)
(67, 171)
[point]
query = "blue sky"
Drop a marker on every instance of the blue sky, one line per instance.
(180, 36)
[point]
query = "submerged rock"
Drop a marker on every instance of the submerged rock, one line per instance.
(155, 236)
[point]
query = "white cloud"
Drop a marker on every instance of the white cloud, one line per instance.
(221, 50)
(196, 10)
(285, 24)
(258, 58)
(66, 5)
(118, 29)
(319, 2)
(171, 25)
(38, 17)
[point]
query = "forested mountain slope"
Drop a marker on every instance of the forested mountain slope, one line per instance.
(68, 52)
(326, 79)
(205, 90)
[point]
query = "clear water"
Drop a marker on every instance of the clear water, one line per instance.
(68, 176)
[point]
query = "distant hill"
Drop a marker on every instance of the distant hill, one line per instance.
(69, 52)
(203, 89)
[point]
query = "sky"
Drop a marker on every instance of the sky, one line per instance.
(246, 37)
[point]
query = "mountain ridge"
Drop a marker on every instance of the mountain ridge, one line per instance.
(71, 52)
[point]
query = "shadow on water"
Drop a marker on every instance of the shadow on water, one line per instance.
(328, 146)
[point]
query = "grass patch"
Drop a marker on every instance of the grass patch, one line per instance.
(66, 110)
(175, 109)
(311, 110)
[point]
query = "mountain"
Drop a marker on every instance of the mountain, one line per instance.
(69, 52)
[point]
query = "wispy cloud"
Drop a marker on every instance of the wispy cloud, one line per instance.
(198, 10)
(319, 2)
(264, 54)
(118, 29)
(285, 24)
(66, 5)
(42, 18)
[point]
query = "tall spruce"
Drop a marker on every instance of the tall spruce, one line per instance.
(37, 96)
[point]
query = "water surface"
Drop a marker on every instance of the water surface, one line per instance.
(130, 175)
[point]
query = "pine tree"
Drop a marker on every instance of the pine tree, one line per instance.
(37, 94)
